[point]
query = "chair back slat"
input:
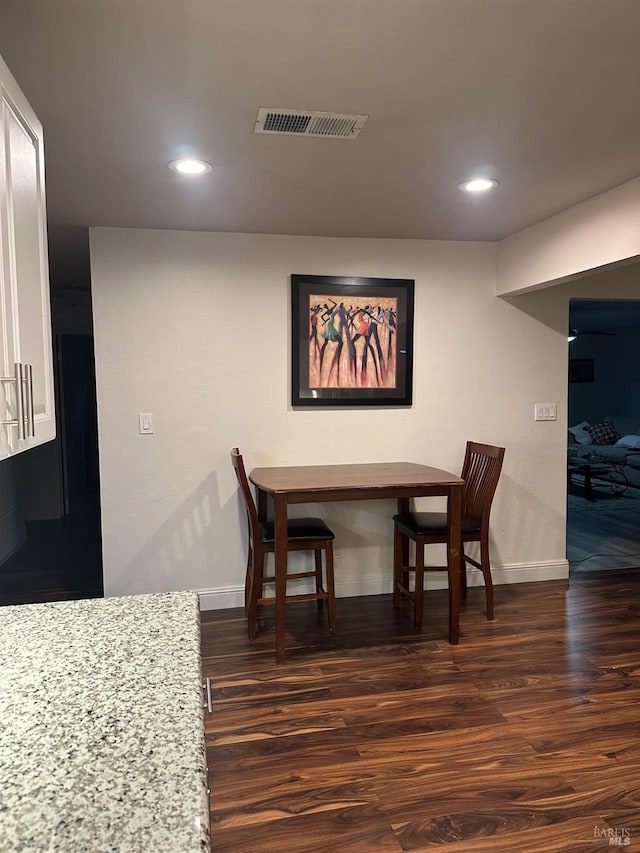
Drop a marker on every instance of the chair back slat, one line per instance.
(480, 472)
(250, 506)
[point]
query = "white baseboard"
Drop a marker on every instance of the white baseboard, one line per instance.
(233, 596)
(221, 599)
(550, 570)
(13, 534)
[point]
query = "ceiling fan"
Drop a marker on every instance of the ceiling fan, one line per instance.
(575, 333)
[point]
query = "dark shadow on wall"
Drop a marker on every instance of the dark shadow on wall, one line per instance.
(189, 536)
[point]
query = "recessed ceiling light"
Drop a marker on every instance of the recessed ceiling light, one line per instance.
(478, 185)
(190, 166)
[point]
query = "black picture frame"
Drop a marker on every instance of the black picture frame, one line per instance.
(581, 370)
(351, 341)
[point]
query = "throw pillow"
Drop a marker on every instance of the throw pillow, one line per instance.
(579, 432)
(604, 433)
(629, 441)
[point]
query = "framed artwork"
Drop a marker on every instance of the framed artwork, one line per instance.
(351, 341)
(581, 370)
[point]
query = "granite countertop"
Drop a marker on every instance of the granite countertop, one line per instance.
(101, 726)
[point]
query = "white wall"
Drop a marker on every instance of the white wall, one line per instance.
(194, 327)
(601, 231)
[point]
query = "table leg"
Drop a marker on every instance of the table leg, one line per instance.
(454, 562)
(404, 507)
(280, 573)
(263, 505)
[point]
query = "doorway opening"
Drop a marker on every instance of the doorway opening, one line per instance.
(57, 493)
(603, 452)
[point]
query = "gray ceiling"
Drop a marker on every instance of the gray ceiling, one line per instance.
(542, 94)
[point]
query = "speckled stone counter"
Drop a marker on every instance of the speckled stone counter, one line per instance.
(101, 726)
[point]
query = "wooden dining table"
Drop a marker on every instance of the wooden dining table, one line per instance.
(399, 481)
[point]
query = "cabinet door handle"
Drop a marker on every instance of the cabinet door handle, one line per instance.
(20, 412)
(17, 380)
(31, 420)
(207, 688)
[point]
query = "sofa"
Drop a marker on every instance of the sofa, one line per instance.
(614, 440)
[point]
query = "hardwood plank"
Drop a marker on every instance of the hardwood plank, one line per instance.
(230, 726)
(445, 747)
(357, 830)
(267, 797)
(611, 741)
(571, 836)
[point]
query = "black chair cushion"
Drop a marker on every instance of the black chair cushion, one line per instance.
(431, 524)
(298, 529)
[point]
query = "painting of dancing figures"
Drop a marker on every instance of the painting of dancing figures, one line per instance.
(352, 345)
(353, 341)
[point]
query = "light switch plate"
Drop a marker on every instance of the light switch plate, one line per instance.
(145, 423)
(546, 412)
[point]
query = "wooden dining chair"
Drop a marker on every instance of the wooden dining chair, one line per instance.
(480, 472)
(303, 534)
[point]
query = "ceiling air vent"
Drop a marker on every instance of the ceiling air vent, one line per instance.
(309, 123)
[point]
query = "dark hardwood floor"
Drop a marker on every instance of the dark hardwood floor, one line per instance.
(522, 739)
(603, 533)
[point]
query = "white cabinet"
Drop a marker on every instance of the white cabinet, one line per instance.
(27, 412)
